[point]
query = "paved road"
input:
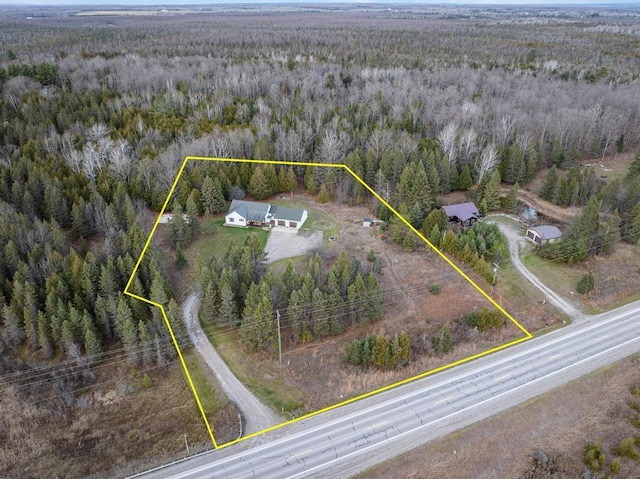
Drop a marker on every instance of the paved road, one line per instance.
(349, 439)
(256, 416)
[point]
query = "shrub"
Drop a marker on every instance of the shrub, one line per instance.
(586, 284)
(626, 448)
(614, 467)
(435, 289)
(593, 456)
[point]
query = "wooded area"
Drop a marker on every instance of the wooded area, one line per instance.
(97, 115)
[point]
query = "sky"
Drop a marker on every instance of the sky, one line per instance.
(379, 2)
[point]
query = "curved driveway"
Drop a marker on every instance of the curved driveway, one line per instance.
(256, 415)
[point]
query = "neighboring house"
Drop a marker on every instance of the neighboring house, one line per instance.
(252, 213)
(543, 234)
(247, 213)
(287, 217)
(466, 214)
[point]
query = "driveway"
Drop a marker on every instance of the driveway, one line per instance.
(256, 415)
(517, 241)
(289, 242)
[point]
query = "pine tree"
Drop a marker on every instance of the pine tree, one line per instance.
(227, 315)
(492, 191)
(464, 179)
(212, 197)
(44, 336)
(146, 344)
(92, 343)
(510, 202)
(405, 348)
(287, 181)
(381, 352)
(548, 190)
(357, 295)
(176, 320)
(259, 187)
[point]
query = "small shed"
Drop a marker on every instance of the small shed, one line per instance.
(543, 234)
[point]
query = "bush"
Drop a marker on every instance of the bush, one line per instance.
(435, 289)
(614, 467)
(586, 284)
(626, 448)
(593, 456)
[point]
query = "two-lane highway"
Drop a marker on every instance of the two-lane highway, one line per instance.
(371, 431)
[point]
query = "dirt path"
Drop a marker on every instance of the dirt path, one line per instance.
(515, 243)
(256, 416)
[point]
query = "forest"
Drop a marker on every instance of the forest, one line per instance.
(98, 113)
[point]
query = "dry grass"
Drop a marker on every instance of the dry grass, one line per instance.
(122, 427)
(560, 423)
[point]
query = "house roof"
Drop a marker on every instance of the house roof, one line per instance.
(287, 213)
(547, 232)
(463, 211)
(250, 210)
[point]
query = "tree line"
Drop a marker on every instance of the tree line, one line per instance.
(328, 297)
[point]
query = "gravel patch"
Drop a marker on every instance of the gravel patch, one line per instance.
(288, 243)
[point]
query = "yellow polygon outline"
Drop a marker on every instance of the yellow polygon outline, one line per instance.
(527, 336)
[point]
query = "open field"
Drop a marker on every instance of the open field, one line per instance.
(313, 375)
(124, 424)
(559, 423)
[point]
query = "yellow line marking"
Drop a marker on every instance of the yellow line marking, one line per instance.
(379, 424)
(301, 453)
(127, 291)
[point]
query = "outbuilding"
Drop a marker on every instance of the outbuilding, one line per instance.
(543, 234)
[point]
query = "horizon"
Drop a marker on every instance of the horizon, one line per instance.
(187, 3)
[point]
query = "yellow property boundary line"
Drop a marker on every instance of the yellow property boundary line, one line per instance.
(527, 336)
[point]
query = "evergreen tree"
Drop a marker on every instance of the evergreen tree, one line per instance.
(382, 352)
(259, 187)
(357, 295)
(227, 315)
(260, 330)
(492, 191)
(212, 197)
(92, 343)
(44, 336)
(464, 179)
(510, 202)
(548, 190)
(287, 181)
(405, 348)
(146, 344)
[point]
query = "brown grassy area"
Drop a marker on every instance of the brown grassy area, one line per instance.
(115, 427)
(314, 376)
(560, 423)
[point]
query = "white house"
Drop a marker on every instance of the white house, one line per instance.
(247, 213)
(252, 213)
(543, 234)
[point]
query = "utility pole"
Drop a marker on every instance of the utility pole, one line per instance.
(496, 267)
(279, 338)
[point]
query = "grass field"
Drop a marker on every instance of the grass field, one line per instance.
(214, 239)
(208, 397)
(560, 278)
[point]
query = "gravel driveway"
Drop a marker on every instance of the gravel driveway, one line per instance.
(289, 242)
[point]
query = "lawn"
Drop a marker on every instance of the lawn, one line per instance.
(560, 278)
(214, 239)
(202, 383)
